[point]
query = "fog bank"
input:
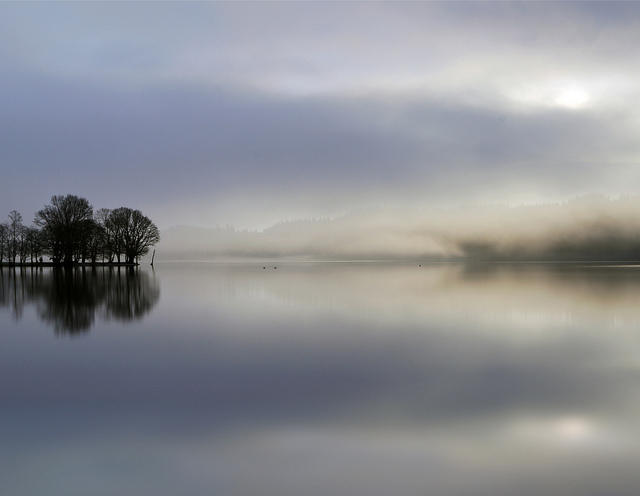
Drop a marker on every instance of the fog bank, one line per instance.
(586, 228)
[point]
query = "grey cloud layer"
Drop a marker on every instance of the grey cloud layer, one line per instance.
(228, 112)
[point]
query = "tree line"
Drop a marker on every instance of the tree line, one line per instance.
(68, 231)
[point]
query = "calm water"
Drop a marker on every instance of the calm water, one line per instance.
(320, 379)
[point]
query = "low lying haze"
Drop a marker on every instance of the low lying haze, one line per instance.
(586, 228)
(254, 113)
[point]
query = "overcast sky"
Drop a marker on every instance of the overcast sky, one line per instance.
(249, 113)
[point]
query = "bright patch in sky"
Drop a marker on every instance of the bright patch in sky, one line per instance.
(552, 95)
(573, 429)
(573, 98)
(566, 431)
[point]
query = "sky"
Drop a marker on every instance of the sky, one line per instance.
(251, 113)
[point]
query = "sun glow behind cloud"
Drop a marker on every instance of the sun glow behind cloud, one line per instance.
(573, 98)
(551, 94)
(568, 431)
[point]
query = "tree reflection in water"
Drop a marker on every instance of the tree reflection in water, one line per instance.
(71, 298)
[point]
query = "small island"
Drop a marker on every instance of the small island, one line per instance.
(69, 233)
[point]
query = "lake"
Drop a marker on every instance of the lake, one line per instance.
(316, 379)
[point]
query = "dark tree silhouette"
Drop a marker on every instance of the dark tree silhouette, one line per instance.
(33, 243)
(68, 232)
(4, 241)
(22, 243)
(113, 224)
(65, 225)
(15, 233)
(104, 243)
(134, 233)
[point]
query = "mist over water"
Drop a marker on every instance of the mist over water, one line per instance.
(331, 378)
(594, 228)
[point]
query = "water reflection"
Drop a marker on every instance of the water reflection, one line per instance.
(316, 379)
(522, 298)
(382, 379)
(423, 343)
(72, 299)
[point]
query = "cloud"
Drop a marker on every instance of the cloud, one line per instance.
(323, 152)
(250, 114)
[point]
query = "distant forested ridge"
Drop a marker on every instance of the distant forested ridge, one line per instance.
(590, 228)
(67, 231)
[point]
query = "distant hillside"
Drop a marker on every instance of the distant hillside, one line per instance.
(586, 228)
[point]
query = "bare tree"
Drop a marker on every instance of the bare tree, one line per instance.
(4, 241)
(141, 235)
(23, 243)
(134, 233)
(65, 226)
(15, 228)
(117, 224)
(33, 242)
(106, 234)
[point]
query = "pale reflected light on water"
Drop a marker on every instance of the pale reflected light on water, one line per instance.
(321, 378)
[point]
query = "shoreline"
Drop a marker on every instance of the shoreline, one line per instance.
(75, 264)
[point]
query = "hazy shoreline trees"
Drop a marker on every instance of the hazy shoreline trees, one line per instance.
(68, 232)
(590, 229)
